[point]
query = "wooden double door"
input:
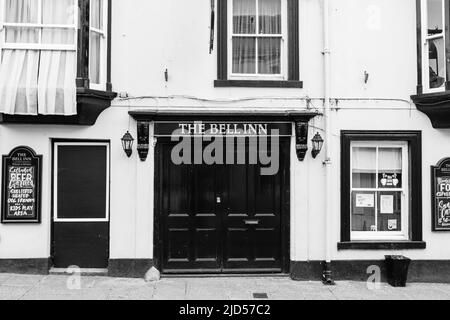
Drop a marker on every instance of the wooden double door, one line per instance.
(221, 218)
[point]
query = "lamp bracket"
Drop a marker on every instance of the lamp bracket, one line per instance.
(301, 139)
(143, 146)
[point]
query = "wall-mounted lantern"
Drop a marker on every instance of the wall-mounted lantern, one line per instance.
(317, 143)
(127, 143)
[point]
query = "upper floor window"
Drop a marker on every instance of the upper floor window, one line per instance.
(258, 39)
(256, 47)
(434, 38)
(39, 50)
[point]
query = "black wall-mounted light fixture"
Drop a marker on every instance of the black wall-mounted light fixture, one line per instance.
(317, 143)
(127, 143)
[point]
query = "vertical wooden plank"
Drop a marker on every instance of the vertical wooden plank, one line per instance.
(293, 41)
(108, 62)
(419, 46)
(82, 80)
(222, 40)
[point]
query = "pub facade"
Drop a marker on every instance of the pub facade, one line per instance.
(297, 137)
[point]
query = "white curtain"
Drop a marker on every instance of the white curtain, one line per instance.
(38, 82)
(244, 48)
(270, 16)
(364, 160)
(390, 160)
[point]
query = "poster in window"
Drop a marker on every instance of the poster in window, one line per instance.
(440, 188)
(21, 186)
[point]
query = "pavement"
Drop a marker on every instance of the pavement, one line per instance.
(61, 287)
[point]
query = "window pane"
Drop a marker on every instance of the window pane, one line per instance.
(435, 17)
(22, 35)
(58, 11)
(97, 14)
(94, 57)
(244, 16)
(21, 11)
(269, 55)
(390, 168)
(436, 48)
(390, 211)
(58, 36)
(363, 211)
(364, 167)
(244, 55)
(270, 16)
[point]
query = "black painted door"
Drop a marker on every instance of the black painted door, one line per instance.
(80, 234)
(222, 218)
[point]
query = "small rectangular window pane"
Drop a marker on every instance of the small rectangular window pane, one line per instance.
(58, 36)
(269, 55)
(436, 58)
(94, 57)
(363, 211)
(435, 17)
(58, 12)
(22, 35)
(244, 55)
(244, 16)
(21, 11)
(364, 167)
(97, 14)
(390, 168)
(390, 211)
(270, 16)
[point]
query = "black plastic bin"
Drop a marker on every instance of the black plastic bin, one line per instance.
(397, 270)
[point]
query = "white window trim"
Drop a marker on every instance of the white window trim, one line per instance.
(425, 52)
(284, 46)
(380, 235)
(55, 181)
(37, 46)
(103, 49)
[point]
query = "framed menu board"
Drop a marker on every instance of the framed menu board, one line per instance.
(440, 195)
(21, 184)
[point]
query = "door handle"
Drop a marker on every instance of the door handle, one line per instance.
(252, 222)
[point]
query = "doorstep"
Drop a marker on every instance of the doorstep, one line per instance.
(83, 272)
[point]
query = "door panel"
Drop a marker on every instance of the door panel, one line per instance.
(80, 233)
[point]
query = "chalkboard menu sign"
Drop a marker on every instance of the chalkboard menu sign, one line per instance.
(21, 186)
(440, 195)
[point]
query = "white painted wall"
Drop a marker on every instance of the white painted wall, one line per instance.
(377, 36)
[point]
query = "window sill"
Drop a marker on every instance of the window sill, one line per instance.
(258, 84)
(90, 104)
(381, 245)
(436, 106)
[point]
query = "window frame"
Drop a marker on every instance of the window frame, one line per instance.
(383, 235)
(56, 146)
(292, 69)
(37, 46)
(415, 232)
(425, 63)
(282, 76)
(104, 47)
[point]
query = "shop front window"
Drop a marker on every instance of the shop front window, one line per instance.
(379, 191)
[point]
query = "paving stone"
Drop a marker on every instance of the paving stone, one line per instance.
(55, 287)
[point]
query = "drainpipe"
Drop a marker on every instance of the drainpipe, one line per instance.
(326, 277)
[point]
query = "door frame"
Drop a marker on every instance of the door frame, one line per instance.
(54, 142)
(158, 239)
